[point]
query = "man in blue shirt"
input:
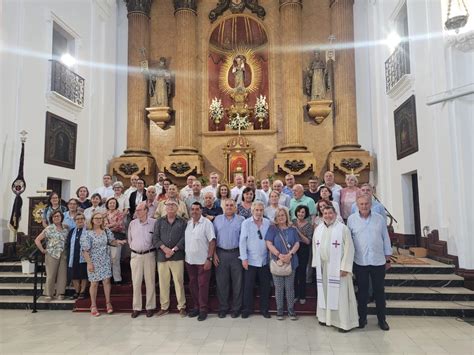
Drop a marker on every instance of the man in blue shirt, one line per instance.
(289, 183)
(372, 257)
(376, 205)
(254, 256)
(226, 259)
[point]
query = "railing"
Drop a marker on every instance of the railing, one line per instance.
(67, 83)
(397, 65)
(37, 258)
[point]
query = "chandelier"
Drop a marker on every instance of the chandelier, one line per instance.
(458, 21)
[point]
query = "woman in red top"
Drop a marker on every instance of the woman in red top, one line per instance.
(114, 220)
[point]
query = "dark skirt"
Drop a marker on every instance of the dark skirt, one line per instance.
(78, 271)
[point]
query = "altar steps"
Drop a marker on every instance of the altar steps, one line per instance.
(432, 290)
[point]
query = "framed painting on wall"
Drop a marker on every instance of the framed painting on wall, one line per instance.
(60, 141)
(406, 135)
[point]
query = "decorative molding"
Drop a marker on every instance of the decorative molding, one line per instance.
(237, 8)
(294, 165)
(180, 167)
(129, 168)
(185, 5)
(463, 42)
(139, 6)
(404, 85)
(287, 2)
(351, 163)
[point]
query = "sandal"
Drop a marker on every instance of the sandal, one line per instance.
(94, 311)
(110, 309)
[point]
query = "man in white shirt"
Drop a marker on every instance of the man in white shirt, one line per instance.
(335, 188)
(199, 246)
(160, 177)
(133, 185)
(214, 184)
(188, 189)
(284, 198)
(266, 189)
(105, 191)
(239, 187)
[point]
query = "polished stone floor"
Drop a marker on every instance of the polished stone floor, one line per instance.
(78, 333)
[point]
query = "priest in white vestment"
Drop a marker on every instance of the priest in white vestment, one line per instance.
(333, 256)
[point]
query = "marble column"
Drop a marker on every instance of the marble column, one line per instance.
(342, 27)
(136, 158)
(185, 158)
(185, 65)
(293, 156)
(291, 64)
(346, 157)
(138, 125)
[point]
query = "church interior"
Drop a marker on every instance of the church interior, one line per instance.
(377, 89)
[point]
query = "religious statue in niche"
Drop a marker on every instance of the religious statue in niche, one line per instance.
(160, 82)
(316, 85)
(160, 91)
(238, 69)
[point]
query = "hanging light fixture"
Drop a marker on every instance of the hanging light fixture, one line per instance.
(458, 21)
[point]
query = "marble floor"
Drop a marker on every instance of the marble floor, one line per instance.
(57, 332)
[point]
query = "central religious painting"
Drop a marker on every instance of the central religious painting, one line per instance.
(238, 75)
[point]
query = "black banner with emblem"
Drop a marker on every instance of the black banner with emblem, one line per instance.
(18, 187)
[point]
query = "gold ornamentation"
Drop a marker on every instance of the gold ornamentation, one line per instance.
(37, 213)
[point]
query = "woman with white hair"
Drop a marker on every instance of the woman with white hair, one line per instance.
(348, 196)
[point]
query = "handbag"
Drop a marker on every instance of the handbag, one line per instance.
(278, 267)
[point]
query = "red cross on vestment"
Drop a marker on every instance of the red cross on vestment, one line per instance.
(336, 244)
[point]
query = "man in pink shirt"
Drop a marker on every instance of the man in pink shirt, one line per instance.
(142, 262)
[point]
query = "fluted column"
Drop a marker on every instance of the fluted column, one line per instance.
(138, 125)
(291, 66)
(185, 64)
(342, 27)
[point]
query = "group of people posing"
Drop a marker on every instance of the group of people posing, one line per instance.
(274, 234)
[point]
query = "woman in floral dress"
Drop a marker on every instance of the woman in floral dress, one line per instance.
(95, 249)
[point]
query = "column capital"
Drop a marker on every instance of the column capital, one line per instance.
(185, 5)
(291, 2)
(139, 6)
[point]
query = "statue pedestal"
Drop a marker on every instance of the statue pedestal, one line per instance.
(296, 163)
(127, 165)
(159, 115)
(345, 162)
(318, 110)
(181, 165)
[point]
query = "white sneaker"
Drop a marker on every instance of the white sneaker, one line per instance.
(302, 301)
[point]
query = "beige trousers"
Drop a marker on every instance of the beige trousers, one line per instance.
(165, 270)
(56, 275)
(143, 266)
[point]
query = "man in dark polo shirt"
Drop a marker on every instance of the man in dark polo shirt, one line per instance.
(168, 239)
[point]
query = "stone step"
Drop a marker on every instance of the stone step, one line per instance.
(433, 268)
(424, 280)
(24, 289)
(429, 293)
(26, 302)
(18, 277)
(462, 309)
(10, 266)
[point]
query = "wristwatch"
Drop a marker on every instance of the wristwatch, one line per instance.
(210, 258)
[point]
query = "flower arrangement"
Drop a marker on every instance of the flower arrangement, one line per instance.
(216, 111)
(261, 109)
(239, 122)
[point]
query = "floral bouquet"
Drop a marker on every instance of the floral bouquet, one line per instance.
(216, 111)
(239, 122)
(261, 109)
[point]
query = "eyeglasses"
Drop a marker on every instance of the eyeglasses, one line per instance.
(80, 219)
(260, 236)
(98, 218)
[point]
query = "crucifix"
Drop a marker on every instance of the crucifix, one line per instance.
(336, 244)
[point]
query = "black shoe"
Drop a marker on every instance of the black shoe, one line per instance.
(245, 315)
(202, 316)
(75, 296)
(235, 314)
(222, 314)
(149, 313)
(81, 296)
(362, 324)
(266, 315)
(135, 314)
(193, 313)
(384, 325)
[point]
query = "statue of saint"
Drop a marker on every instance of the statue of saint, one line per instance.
(316, 78)
(160, 82)
(238, 69)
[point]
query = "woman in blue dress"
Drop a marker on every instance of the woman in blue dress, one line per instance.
(95, 248)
